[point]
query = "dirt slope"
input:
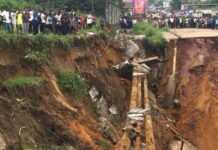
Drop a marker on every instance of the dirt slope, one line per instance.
(46, 115)
(197, 90)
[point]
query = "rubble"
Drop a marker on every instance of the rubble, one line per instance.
(108, 130)
(102, 107)
(93, 93)
(113, 110)
(131, 48)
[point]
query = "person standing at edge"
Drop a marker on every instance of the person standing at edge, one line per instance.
(26, 24)
(14, 20)
(19, 22)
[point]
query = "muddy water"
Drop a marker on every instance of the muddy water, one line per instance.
(197, 89)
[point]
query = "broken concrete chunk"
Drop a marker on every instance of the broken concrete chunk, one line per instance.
(131, 48)
(108, 130)
(102, 107)
(137, 114)
(199, 61)
(136, 118)
(178, 145)
(121, 65)
(93, 92)
(2, 143)
(113, 110)
(138, 111)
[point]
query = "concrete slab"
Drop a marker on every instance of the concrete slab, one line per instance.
(190, 33)
(169, 36)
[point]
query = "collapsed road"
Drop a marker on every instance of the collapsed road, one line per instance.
(140, 117)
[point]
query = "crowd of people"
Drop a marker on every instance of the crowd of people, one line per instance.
(161, 20)
(184, 21)
(187, 22)
(32, 21)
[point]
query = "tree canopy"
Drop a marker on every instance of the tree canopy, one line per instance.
(98, 6)
(176, 4)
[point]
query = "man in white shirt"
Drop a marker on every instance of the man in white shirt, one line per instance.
(43, 22)
(89, 20)
(14, 21)
(7, 21)
(31, 12)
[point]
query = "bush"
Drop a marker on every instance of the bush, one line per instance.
(72, 83)
(13, 4)
(36, 57)
(22, 81)
(153, 35)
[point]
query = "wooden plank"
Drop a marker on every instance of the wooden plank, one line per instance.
(155, 58)
(149, 133)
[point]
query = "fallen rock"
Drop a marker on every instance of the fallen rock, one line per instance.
(113, 110)
(93, 92)
(199, 61)
(102, 107)
(108, 130)
(131, 48)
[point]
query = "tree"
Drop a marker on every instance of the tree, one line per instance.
(214, 1)
(176, 4)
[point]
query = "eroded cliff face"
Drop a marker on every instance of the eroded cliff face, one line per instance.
(49, 116)
(197, 91)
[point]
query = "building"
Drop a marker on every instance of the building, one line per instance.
(112, 12)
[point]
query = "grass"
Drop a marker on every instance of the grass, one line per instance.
(72, 83)
(153, 35)
(22, 81)
(39, 41)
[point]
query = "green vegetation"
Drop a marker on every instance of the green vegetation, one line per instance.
(153, 35)
(176, 4)
(22, 82)
(45, 42)
(15, 4)
(36, 57)
(105, 145)
(39, 41)
(72, 83)
(97, 6)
